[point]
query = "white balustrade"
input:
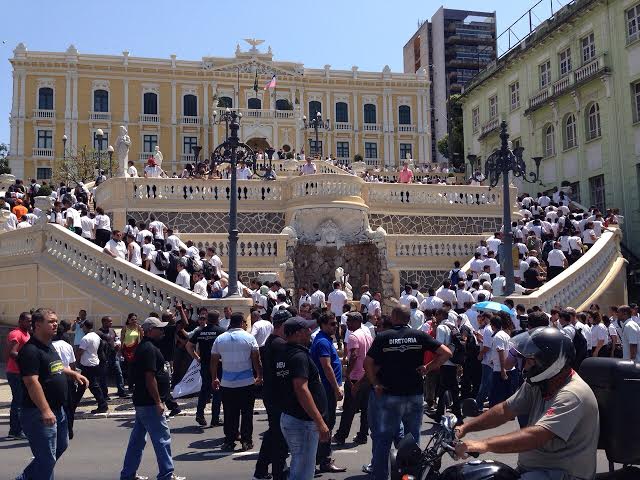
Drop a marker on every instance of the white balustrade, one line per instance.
(406, 128)
(562, 84)
(100, 116)
(371, 127)
(144, 156)
(284, 114)
(326, 186)
(190, 120)
(381, 194)
(342, 126)
(249, 245)
(490, 125)
(454, 246)
(540, 97)
(40, 113)
(590, 68)
(42, 152)
(187, 157)
(149, 118)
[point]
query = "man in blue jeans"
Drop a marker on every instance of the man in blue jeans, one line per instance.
(303, 399)
(395, 368)
(16, 339)
(42, 414)
(152, 380)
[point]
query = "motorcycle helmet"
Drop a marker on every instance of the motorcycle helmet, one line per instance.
(551, 350)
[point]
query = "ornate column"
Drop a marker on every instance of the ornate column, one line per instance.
(126, 101)
(385, 127)
(21, 113)
(354, 111)
(420, 129)
(14, 115)
(74, 112)
(173, 125)
(205, 123)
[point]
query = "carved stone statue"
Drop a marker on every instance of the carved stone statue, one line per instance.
(157, 156)
(122, 150)
(344, 280)
(329, 235)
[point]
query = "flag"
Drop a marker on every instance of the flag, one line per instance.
(255, 83)
(271, 84)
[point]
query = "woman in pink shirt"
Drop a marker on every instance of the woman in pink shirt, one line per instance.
(406, 175)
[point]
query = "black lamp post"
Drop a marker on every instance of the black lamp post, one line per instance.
(316, 124)
(64, 149)
(110, 150)
(501, 163)
(233, 151)
(99, 135)
(196, 153)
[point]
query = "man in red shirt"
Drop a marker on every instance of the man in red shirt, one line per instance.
(15, 341)
(406, 175)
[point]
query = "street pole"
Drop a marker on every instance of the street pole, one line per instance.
(232, 288)
(507, 240)
(99, 134)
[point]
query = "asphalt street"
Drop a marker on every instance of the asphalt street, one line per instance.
(97, 451)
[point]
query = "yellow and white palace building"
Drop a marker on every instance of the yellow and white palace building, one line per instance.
(383, 116)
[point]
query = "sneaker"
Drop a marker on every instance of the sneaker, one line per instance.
(174, 412)
(216, 422)
(359, 440)
(228, 446)
(338, 440)
(140, 477)
(100, 410)
(176, 477)
(17, 436)
(367, 469)
(247, 446)
(266, 476)
(201, 421)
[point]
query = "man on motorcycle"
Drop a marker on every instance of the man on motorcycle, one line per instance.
(561, 437)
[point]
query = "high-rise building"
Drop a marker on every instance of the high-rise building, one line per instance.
(454, 46)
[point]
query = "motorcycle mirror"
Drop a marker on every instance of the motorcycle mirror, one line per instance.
(470, 408)
(448, 400)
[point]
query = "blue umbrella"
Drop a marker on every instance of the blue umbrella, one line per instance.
(492, 307)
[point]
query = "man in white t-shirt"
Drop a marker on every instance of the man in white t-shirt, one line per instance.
(449, 370)
(116, 247)
(503, 383)
(556, 261)
(151, 170)
(374, 309)
(406, 297)
(431, 303)
(366, 296)
(463, 296)
(243, 172)
(132, 171)
(494, 242)
(336, 299)
(158, 229)
(317, 297)
(183, 280)
(446, 294)
(630, 334)
(90, 364)
(476, 265)
(72, 217)
(200, 284)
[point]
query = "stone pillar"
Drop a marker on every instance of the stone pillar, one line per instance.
(74, 113)
(421, 153)
(205, 123)
(21, 114)
(125, 116)
(14, 115)
(173, 126)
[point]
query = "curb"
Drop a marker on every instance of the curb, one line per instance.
(131, 414)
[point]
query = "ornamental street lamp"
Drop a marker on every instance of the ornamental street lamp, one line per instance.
(501, 163)
(316, 124)
(232, 151)
(110, 150)
(64, 149)
(99, 135)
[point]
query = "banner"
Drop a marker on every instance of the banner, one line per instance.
(190, 383)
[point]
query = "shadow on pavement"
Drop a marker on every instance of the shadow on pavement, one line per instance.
(17, 444)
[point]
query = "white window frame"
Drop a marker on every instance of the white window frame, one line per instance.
(594, 127)
(570, 132)
(348, 148)
(564, 62)
(632, 15)
(157, 93)
(365, 149)
(190, 152)
(475, 119)
(493, 107)
(38, 138)
(184, 94)
(588, 48)
(52, 87)
(544, 74)
(514, 94)
(549, 141)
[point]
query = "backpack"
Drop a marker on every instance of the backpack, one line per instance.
(208, 270)
(472, 348)
(455, 276)
(459, 347)
(172, 269)
(103, 351)
(364, 309)
(191, 265)
(161, 261)
(546, 248)
(532, 242)
(271, 302)
(580, 345)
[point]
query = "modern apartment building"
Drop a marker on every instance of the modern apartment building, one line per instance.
(454, 46)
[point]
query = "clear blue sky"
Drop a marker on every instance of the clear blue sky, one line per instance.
(342, 33)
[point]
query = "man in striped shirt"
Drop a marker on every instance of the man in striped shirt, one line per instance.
(238, 350)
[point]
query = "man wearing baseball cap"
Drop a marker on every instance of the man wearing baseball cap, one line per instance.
(274, 447)
(303, 399)
(152, 382)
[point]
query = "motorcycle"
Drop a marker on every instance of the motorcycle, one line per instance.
(408, 462)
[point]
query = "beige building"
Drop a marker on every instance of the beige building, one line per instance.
(383, 116)
(570, 93)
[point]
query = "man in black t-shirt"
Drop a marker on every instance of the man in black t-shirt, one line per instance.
(109, 335)
(395, 368)
(45, 379)
(303, 399)
(204, 338)
(274, 447)
(152, 382)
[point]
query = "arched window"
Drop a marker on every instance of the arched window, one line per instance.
(314, 108)
(225, 102)
(283, 104)
(570, 137)
(100, 101)
(190, 106)
(593, 122)
(342, 112)
(150, 101)
(45, 98)
(254, 104)
(548, 141)
(404, 115)
(369, 113)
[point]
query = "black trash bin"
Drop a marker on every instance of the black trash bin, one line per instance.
(616, 385)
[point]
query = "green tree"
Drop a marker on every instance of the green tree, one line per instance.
(453, 150)
(81, 166)
(4, 158)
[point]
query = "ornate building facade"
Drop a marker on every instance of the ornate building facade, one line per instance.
(383, 116)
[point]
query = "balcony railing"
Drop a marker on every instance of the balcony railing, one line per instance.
(40, 113)
(540, 97)
(371, 127)
(189, 120)
(406, 128)
(144, 156)
(372, 162)
(262, 113)
(593, 67)
(43, 152)
(104, 116)
(284, 113)
(562, 84)
(149, 118)
(187, 157)
(342, 126)
(490, 126)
